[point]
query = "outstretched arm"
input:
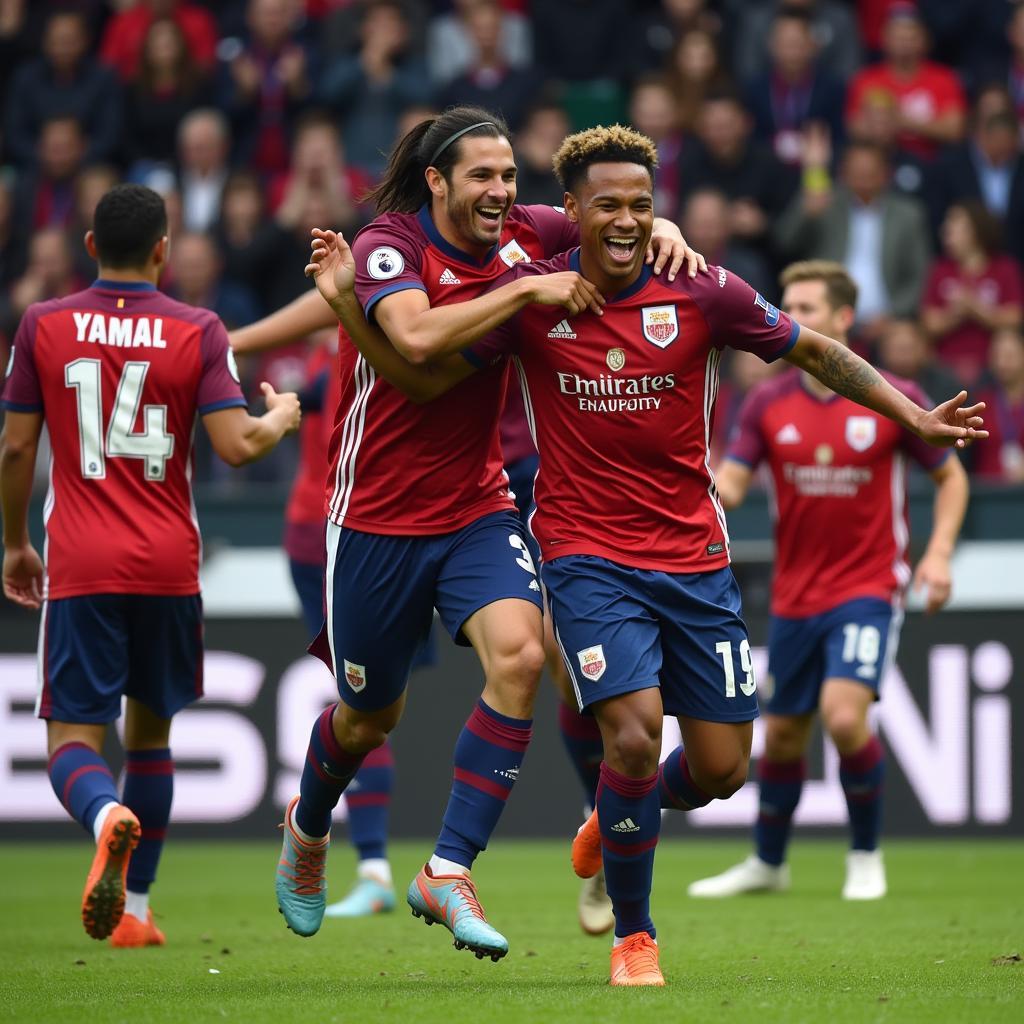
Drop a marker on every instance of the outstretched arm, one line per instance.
(951, 423)
(301, 317)
(332, 267)
(239, 438)
(732, 481)
(951, 493)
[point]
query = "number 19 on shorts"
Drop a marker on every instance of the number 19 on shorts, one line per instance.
(747, 684)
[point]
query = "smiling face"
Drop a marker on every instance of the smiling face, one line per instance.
(471, 203)
(614, 207)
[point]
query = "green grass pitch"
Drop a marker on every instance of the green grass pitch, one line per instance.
(941, 947)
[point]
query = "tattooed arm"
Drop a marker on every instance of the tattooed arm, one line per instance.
(951, 423)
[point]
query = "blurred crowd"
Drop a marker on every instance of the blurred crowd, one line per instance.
(885, 134)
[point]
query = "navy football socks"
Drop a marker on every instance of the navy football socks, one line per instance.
(82, 781)
(369, 799)
(781, 783)
(581, 737)
(676, 787)
(148, 791)
(326, 773)
(863, 776)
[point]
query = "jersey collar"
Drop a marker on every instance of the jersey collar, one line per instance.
(123, 286)
(627, 293)
(438, 241)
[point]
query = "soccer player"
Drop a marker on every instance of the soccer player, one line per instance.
(118, 373)
(837, 595)
(447, 536)
(633, 536)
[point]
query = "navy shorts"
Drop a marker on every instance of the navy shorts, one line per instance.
(622, 629)
(383, 591)
(856, 640)
(521, 476)
(97, 648)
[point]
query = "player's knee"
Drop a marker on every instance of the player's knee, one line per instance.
(783, 743)
(520, 664)
(359, 734)
(634, 749)
(723, 777)
(847, 728)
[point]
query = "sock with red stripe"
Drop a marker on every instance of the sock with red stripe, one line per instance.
(82, 781)
(488, 756)
(326, 773)
(781, 784)
(581, 737)
(369, 798)
(676, 788)
(148, 791)
(629, 813)
(863, 776)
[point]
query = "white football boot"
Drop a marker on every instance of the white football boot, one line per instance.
(596, 915)
(751, 875)
(865, 875)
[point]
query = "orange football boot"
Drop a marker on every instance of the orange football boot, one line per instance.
(586, 848)
(635, 961)
(103, 898)
(132, 933)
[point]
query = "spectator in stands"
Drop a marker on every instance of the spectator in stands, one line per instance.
(544, 130)
(204, 141)
(63, 82)
(653, 111)
(695, 71)
(724, 156)
(489, 81)
(169, 84)
(834, 26)
(658, 31)
(50, 274)
(91, 185)
(12, 236)
(795, 90)
(370, 89)
(454, 46)
(879, 235)
(973, 289)
(125, 34)
(1001, 457)
(928, 97)
(266, 86)
(318, 166)
(197, 267)
(906, 350)
(705, 225)
(988, 167)
(46, 198)
(245, 238)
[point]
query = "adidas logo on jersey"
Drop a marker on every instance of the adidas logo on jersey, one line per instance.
(788, 435)
(447, 277)
(563, 329)
(626, 825)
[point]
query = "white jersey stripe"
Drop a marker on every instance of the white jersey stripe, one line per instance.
(346, 433)
(569, 668)
(369, 378)
(333, 542)
(354, 423)
(41, 657)
(710, 394)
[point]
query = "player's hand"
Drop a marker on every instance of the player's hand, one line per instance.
(287, 401)
(953, 424)
(933, 574)
(23, 576)
(331, 264)
(669, 247)
(568, 289)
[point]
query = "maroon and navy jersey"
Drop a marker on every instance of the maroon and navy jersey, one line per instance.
(402, 468)
(119, 372)
(622, 407)
(839, 475)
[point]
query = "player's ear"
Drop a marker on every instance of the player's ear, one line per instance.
(435, 182)
(162, 251)
(571, 209)
(90, 245)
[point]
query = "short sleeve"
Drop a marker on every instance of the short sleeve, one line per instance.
(387, 261)
(927, 456)
(21, 392)
(219, 384)
(746, 441)
(555, 232)
(741, 318)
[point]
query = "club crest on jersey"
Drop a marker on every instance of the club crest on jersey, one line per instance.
(512, 253)
(616, 359)
(860, 432)
(660, 325)
(592, 663)
(384, 263)
(355, 676)
(771, 313)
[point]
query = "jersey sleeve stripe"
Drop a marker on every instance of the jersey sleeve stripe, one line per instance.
(473, 359)
(227, 403)
(398, 286)
(20, 406)
(788, 347)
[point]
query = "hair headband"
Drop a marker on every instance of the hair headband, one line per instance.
(451, 138)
